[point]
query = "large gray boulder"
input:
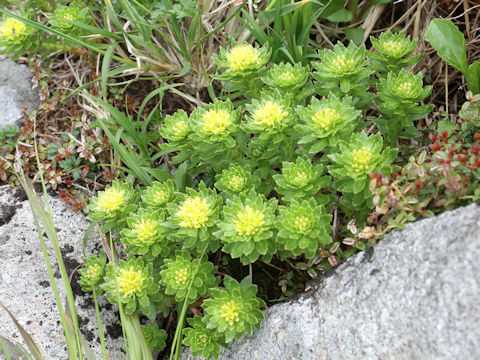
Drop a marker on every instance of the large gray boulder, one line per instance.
(16, 92)
(25, 286)
(414, 296)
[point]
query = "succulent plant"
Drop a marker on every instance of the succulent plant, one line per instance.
(158, 195)
(362, 155)
(202, 341)
(63, 14)
(341, 61)
(303, 227)
(269, 115)
(236, 180)
(186, 278)
(344, 71)
(234, 310)
(394, 46)
(93, 272)
(325, 122)
(145, 234)
(403, 86)
(132, 284)
(247, 229)
(113, 205)
(213, 129)
(286, 76)
(398, 98)
(154, 336)
(392, 49)
(300, 179)
(242, 59)
(176, 127)
(16, 36)
(193, 218)
(214, 121)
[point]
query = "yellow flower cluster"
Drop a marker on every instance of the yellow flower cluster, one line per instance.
(394, 48)
(93, 272)
(302, 223)
(237, 182)
(269, 114)
(145, 231)
(287, 76)
(193, 212)
(216, 121)
(180, 128)
(110, 200)
(325, 118)
(181, 276)
(343, 64)
(301, 178)
(159, 196)
(12, 28)
(241, 57)
(249, 221)
(405, 89)
(230, 312)
(68, 16)
(361, 159)
(130, 281)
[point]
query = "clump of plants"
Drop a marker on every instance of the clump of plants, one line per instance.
(260, 175)
(444, 177)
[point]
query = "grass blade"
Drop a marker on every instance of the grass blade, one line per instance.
(34, 349)
(40, 215)
(51, 30)
(131, 160)
(105, 64)
(101, 335)
(76, 332)
(13, 351)
(125, 123)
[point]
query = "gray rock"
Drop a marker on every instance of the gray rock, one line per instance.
(16, 92)
(414, 296)
(24, 283)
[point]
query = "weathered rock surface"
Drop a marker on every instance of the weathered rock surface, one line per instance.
(414, 296)
(24, 283)
(16, 92)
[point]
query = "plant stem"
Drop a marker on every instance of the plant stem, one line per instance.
(353, 8)
(100, 326)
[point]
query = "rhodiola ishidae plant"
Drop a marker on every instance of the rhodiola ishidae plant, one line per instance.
(269, 162)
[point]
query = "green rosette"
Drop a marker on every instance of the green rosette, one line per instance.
(202, 341)
(362, 155)
(93, 272)
(64, 15)
(247, 231)
(324, 122)
(132, 284)
(193, 218)
(303, 228)
(234, 310)
(113, 205)
(145, 234)
(187, 278)
(300, 179)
